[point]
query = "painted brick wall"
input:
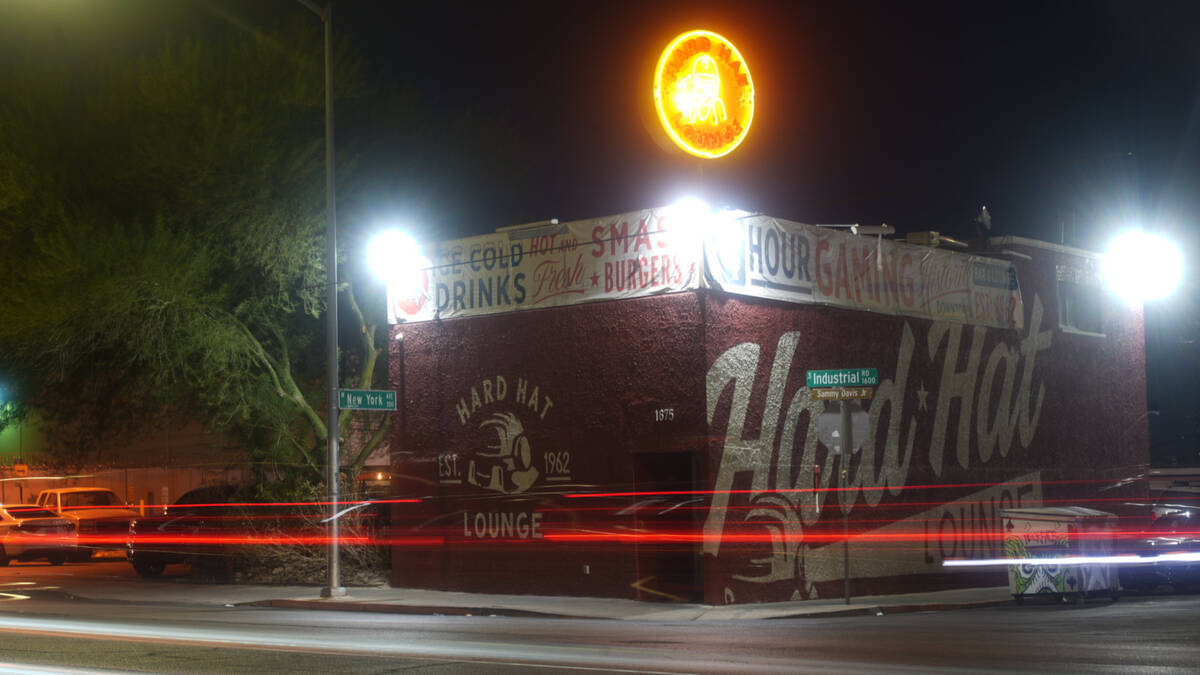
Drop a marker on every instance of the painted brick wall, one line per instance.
(505, 417)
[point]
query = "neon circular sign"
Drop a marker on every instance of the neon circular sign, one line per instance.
(703, 94)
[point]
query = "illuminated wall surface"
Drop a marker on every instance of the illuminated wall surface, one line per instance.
(20, 441)
(527, 432)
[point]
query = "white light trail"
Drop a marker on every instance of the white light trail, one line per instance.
(1080, 560)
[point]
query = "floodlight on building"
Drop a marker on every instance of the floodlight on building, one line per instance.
(718, 233)
(688, 210)
(1141, 266)
(395, 258)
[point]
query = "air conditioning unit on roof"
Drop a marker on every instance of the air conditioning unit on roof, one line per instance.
(933, 240)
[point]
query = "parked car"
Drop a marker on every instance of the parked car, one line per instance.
(1178, 500)
(195, 530)
(101, 518)
(1174, 529)
(29, 532)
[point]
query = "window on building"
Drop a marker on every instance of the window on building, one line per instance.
(1081, 300)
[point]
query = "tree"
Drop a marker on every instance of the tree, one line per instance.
(162, 232)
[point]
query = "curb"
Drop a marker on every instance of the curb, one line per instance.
(944, 606)
(336, 606)
(436, 610)
(880, 610)
(861, 610)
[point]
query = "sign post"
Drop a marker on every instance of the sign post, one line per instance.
(843, 385)
(847, 447)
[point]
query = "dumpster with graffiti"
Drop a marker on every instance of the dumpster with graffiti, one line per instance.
(1058, 552)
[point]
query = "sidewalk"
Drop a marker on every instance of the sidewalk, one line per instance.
(418, 601)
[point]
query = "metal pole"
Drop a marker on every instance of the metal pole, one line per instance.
(334, 589)
(847, 448)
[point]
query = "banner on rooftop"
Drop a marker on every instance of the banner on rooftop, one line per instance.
(626, 256)
(659, 251)
(770, 258)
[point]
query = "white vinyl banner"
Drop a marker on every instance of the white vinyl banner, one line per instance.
(652, 252)
(626, 256)
(770, 258)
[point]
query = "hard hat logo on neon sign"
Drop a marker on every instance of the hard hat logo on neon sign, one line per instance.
(703, 94)
(698, 96)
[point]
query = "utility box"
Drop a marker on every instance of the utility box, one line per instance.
(1073, 541)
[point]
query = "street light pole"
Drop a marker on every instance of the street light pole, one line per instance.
(334, 589)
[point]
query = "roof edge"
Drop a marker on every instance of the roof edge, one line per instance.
(1009, 240)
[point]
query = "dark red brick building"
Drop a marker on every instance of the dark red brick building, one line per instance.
(619, 408)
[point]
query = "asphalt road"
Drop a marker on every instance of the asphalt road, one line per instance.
(42, 627)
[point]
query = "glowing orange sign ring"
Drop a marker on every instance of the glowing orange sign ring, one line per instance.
(703, 94)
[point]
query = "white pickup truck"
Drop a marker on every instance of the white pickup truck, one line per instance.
(101, 519)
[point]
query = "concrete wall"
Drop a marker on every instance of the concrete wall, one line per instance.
(187, 444)
(22, 441)
(139, 487)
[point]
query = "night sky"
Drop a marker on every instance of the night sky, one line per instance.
(1068, 119)
(1063, 119)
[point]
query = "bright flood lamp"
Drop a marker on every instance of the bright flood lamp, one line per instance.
(395, 258)
(688, 210)
(716, 232)
(688, 220)
(1140, 266)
